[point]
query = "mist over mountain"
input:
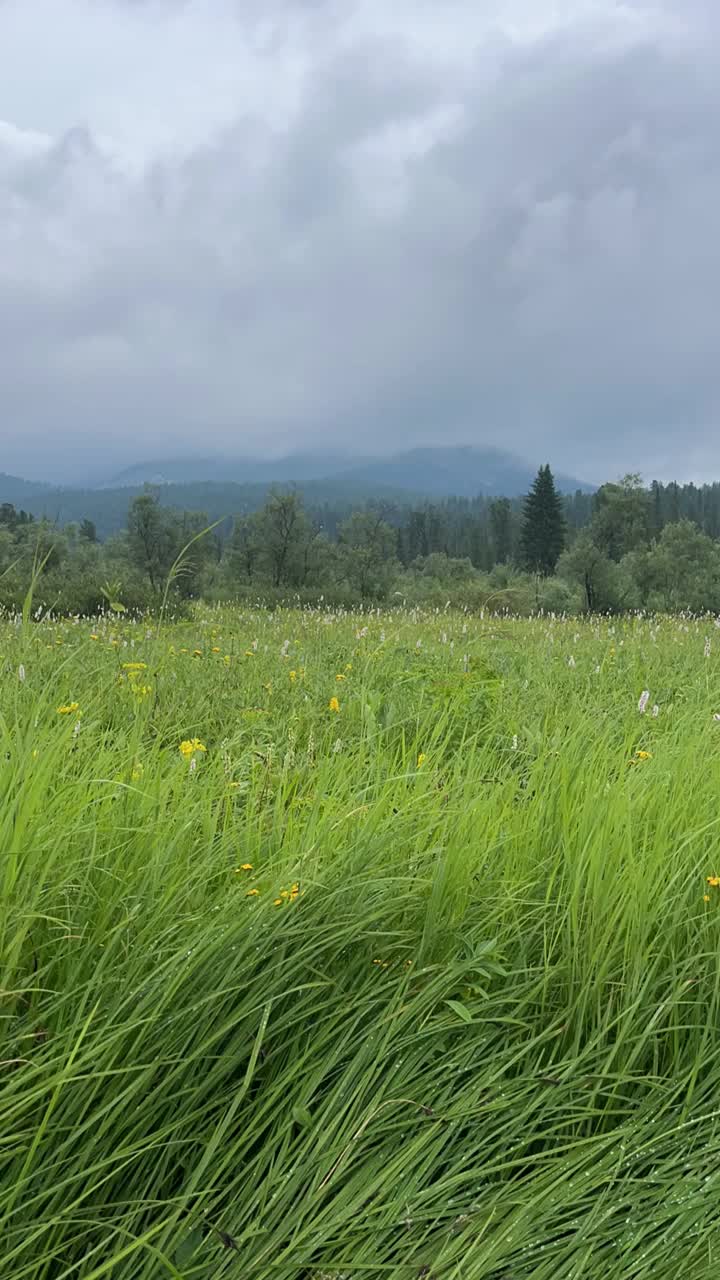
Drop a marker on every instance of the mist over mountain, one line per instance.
(227, 487)
(293, 469)
(464, 471)
(22, 493)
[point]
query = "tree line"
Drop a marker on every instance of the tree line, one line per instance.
(626, 546)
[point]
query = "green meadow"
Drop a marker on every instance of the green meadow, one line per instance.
(359, 945)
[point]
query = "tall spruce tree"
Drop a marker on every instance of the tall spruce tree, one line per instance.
(543, 529)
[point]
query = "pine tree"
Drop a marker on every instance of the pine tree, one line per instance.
(543, 528)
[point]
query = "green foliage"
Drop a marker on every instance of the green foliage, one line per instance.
(88, 530)
(621, 554)
(8, 516)
(555, 595)
(480, 1036)
(244, 554)
(153, 538)
(606, 587)
(156, 539)
(282, 533)
(502, 529)
(277, 547)
(42, 543)
(438, 580)
(367, 554)
(543, 531)
(680, 570)
(622, 519)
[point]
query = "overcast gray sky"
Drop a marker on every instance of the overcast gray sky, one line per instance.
(270, 225)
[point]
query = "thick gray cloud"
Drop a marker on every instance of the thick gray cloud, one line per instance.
(278, 224)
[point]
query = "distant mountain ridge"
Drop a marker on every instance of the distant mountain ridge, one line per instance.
(20, 492)
(462, 471)
(294, 469)
(223, 488)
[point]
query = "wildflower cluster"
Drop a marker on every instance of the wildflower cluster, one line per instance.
(287, 895)
(132, 672)
(713, 882)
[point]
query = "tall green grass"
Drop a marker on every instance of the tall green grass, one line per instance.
(479, 1039)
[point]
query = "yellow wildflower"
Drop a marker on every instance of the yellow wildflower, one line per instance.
(190, 745)
(333, 705)
(94, 637)
(293, 676)
(277, 902)
(706, 897)
(245, 866)
(215, 649)
(644, 755)
(68, 709)
(339, 677)
(226, 659)
(197, 653)
(252, 893)
(249, 653)
(714, 882)
(421, 760)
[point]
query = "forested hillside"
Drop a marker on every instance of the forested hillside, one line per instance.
(624, 547)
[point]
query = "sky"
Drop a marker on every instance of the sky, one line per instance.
(234, 227)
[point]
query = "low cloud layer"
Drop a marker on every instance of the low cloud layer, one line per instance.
(288, 224)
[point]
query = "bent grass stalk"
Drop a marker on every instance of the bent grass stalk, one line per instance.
(480, 1039)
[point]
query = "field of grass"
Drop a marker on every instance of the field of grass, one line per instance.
(380, 946)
